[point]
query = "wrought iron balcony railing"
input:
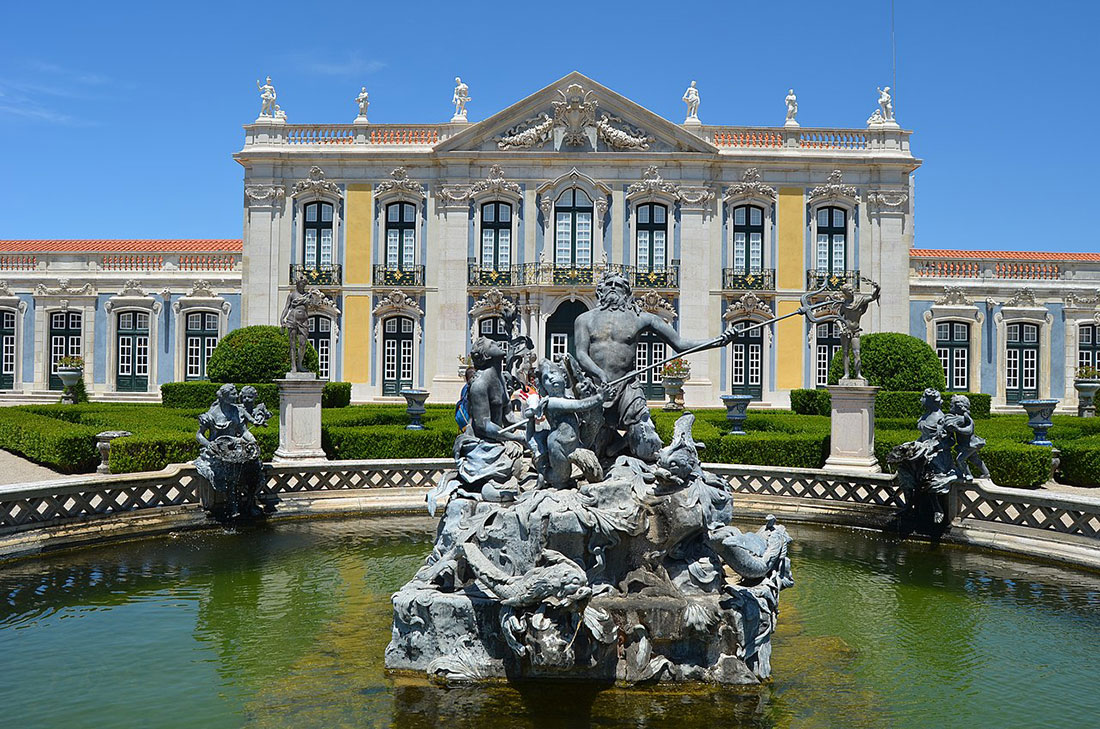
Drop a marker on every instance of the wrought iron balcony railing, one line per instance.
(830, 279)
(326, 274)
(479, 276)
(412, 276)
(740, 279)
(656, 278)
(554, 274)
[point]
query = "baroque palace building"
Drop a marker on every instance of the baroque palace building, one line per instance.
(419, 235)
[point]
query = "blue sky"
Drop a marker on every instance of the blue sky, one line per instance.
(119, 120)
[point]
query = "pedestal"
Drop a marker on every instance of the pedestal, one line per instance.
(852, 446)
(299, 418)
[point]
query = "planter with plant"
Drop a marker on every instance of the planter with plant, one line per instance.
(1086, 381)
(673, 376)
(70, 369)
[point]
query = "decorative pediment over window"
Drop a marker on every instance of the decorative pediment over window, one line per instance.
(750, 188)
(397, 302)
(492, 303)
(598, 191)
(654, 303)
(316, 186)
(5, 290)
(1023, 297)
(576, 114)
(202, 296)
(132, 296)
(835, 190)
(8, 299)
(1073, 300)
(400, 186)
(651, 187)
(954, 296)
(321, 304)
(495, 186)
(64, 289)
(749, 306)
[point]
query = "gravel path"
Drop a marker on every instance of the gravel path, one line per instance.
(14, 469)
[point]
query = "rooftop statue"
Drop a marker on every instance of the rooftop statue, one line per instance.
(792, 108)
(267, 98)
(691, 98)
(229, 457)
(363, 101)
(460, 98)
(886, 104)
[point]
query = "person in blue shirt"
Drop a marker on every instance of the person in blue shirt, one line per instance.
(462, 407)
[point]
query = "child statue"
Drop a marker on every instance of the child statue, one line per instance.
(960, 424)
(558, 448)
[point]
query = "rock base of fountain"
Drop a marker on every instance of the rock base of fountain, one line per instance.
(634, 577)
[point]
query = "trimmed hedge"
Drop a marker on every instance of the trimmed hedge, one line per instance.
(1080, 461)
(894, 362)
(201, 393)
(66, 447)
(888, 404)
(255, 354)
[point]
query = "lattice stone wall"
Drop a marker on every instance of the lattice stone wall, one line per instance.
(1041, 511)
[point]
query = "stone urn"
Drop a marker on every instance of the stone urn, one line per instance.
(1086, 394)
(415, 398)
(674, 391)
(1039, 413)
(103, 445)
(69, 377)
(737, 407)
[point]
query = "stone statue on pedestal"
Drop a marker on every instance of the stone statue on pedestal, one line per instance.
(691, 98)
(886, 104)
(229, 457)
(460, 98)
(267, 98)
(792, 108)
(363, 100)
(295, 320)
(852, 308)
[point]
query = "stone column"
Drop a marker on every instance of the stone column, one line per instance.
(852, 446)
(260, 261)
(299, 418)
(891, 237)
(446, 303)
(699, 275)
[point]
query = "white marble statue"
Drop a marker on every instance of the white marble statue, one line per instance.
(792, 108)
(267, 98)
(363, 100)
(460, 99)
(886, 104)
(691, 98)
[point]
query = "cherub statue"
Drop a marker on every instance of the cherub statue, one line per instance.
(267, 98)
(254, 412)
(559, 448)
(960, 425)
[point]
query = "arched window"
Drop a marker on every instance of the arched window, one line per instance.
(493, 327)
(1088, 346)
(651, 349)
(651, 236)
(832, 240)
(66, 340)
(397, 354)
(953, 348)
(1021, 362)
(7, 349)
(132, 350)
(560, 327)
(317, 235)
(828, 344)
(573, 230)
(747, 349)
(496, 236)
(201, 337)
(748, 239)
(320, 336)
(400, 236)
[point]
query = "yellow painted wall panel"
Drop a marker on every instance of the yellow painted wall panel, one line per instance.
(359, 216)
(790, 347)
(356, 333)
(790, 221)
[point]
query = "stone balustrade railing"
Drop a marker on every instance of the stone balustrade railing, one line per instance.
(996, 268)
(1053, 525)
(18, 262)
(136, 262)
(324, 135)
(807, 139)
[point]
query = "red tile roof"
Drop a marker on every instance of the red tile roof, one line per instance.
(120, 246)
(1004, 255)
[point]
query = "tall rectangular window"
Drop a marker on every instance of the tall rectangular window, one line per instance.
(317, 235)
(66, 340)
(1088, 346)
(953, 349)
(573, 230)
(400, 235)
(201, 338)
(832, 240)
(496, 236)
(7, 350)
(828, 344)
(1021, 362)
(748, 239)
(651, 237)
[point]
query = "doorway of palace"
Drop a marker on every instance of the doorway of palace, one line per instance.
(66, 340)
(651, 350)
(397, 355)
(1021, 362)
(747, 350)
(132, 347)
(7, 349)
(559, 329)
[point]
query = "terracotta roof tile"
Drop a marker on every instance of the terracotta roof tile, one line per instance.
(173, 245)
(1003, 255)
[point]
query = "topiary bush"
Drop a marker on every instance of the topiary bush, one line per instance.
(903, 404)
(336, 395)
(895, 361)
(1080, 461)
(254, 354)
(811, 402)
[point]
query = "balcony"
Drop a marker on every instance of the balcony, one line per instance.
(326, 274)
(658, 278)
(831, 279)
(488, 278)
(738, 279)
(409, 276)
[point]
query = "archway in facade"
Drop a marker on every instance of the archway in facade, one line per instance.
(559, 329)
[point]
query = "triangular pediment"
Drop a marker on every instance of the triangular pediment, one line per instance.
(575, 114)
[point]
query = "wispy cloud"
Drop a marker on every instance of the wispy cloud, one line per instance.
(351, 64)
(45, 92)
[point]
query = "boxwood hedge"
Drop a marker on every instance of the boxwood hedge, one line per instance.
(254, 354)
(888, 404)
(201, 393)
(895, 361)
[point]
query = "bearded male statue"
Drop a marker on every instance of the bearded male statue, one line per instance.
(607, 350)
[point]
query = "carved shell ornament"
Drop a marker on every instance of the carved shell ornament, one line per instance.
(400, 182)
(953, 296)
(651, 183)
(751, 186)
(834, 187)
(574, 124)
(316, 183)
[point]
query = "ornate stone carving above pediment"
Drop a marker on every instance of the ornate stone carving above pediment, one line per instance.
(64, 289)
(495, 185)
(1024, 297)
(598, 191)
(401, 185)
(887, 199)
(573, 123)
(954, 296)
(748, 306)
(316, 184)
(1075, 300)
(835, 188)
(654, 303)
(697, 198)
(397, 301)
(264, 195)
(750, 187)
(5, 290)
(202, 295)
(651, 186)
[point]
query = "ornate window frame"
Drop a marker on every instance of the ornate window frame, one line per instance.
(955, 307)
(12, 303)
(834, 193)
(132, 298)
(496, 188)
(548, 193)
(751, 191)
(201, 299)
(750, 307)
(652, 189)
(1078, 310)
(399, 188)
(47, 301)
(1023, 308)
(315, 188)
(490, 305)
(397, 303)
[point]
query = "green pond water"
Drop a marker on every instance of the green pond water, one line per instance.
(285, 626)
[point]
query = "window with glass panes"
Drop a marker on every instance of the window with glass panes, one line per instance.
(832, 240)
(317, 235)
(66, 340)
(320, 336)
(1021, 362)
(397, 354)
(496, 236)
(493, 327)
(651, 350)
(748, 239)
(200, 339)
(953, 349)
(1088, 346)
(7, 349)
(828, 344)
(747, 348)
(573, 230)
(651, 235)
(132, 352)
(400, 235)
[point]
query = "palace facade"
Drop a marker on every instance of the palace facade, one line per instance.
(420, 234)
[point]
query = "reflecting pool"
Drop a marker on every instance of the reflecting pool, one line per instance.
(285, 626)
